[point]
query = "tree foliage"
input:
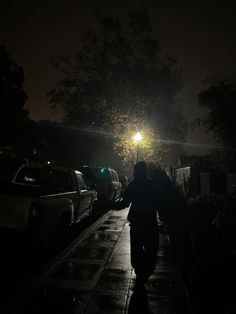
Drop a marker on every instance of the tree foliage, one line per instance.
(17, 131)
(120, 80)
(219, 98)
(125, 126)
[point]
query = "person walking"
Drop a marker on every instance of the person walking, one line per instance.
(142, 194)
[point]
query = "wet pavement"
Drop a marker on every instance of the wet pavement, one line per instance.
(94, 275)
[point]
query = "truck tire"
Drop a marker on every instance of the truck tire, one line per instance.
(60, 236)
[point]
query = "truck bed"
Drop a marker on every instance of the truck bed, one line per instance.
(16, 201)
(28, 191)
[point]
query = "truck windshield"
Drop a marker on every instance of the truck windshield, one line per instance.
(47, 178)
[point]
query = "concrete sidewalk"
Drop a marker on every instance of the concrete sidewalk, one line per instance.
(95, 276)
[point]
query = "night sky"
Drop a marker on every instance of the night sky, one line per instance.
(199, 34)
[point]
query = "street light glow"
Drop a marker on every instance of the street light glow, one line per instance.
(137, 137)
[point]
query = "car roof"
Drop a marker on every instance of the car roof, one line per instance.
(47, 166)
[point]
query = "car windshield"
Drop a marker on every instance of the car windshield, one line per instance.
(45, 178)
(97, 174)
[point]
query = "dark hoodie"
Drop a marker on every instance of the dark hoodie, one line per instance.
(142, 194)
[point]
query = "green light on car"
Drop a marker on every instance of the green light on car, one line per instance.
(103, 170)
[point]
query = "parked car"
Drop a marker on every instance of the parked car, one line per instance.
(124, 182)
(105, 181)
(44, 200)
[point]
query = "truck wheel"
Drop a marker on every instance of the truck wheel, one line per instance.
(60, 236)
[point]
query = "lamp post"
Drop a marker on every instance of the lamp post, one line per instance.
(137, 138)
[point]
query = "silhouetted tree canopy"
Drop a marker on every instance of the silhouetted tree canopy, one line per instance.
(119, 75)
(219, 98)
(14, 121)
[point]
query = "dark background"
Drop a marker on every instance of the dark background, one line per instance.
(200, 34)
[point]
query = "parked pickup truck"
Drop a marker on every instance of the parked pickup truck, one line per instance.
(44, 200)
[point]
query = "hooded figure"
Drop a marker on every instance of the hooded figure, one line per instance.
(142, 194)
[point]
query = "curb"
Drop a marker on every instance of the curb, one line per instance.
(25, 290)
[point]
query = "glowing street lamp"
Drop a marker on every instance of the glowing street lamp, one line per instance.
(137, 138)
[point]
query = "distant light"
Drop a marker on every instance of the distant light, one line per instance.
(103, 170)
(137, 137)
(48, 162)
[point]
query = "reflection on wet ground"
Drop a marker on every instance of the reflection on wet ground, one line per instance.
(96, 277)
(87, 252)
(77, 271)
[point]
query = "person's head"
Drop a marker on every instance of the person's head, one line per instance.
(140, 170)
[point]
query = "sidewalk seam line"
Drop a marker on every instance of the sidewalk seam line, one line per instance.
(93, 290)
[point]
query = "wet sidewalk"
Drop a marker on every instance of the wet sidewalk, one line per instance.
(95, 276)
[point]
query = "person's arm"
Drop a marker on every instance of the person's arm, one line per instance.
(120, 205)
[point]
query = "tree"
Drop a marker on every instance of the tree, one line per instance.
(120, 80)
(18, 133)
(72, 147)
(219, 98)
